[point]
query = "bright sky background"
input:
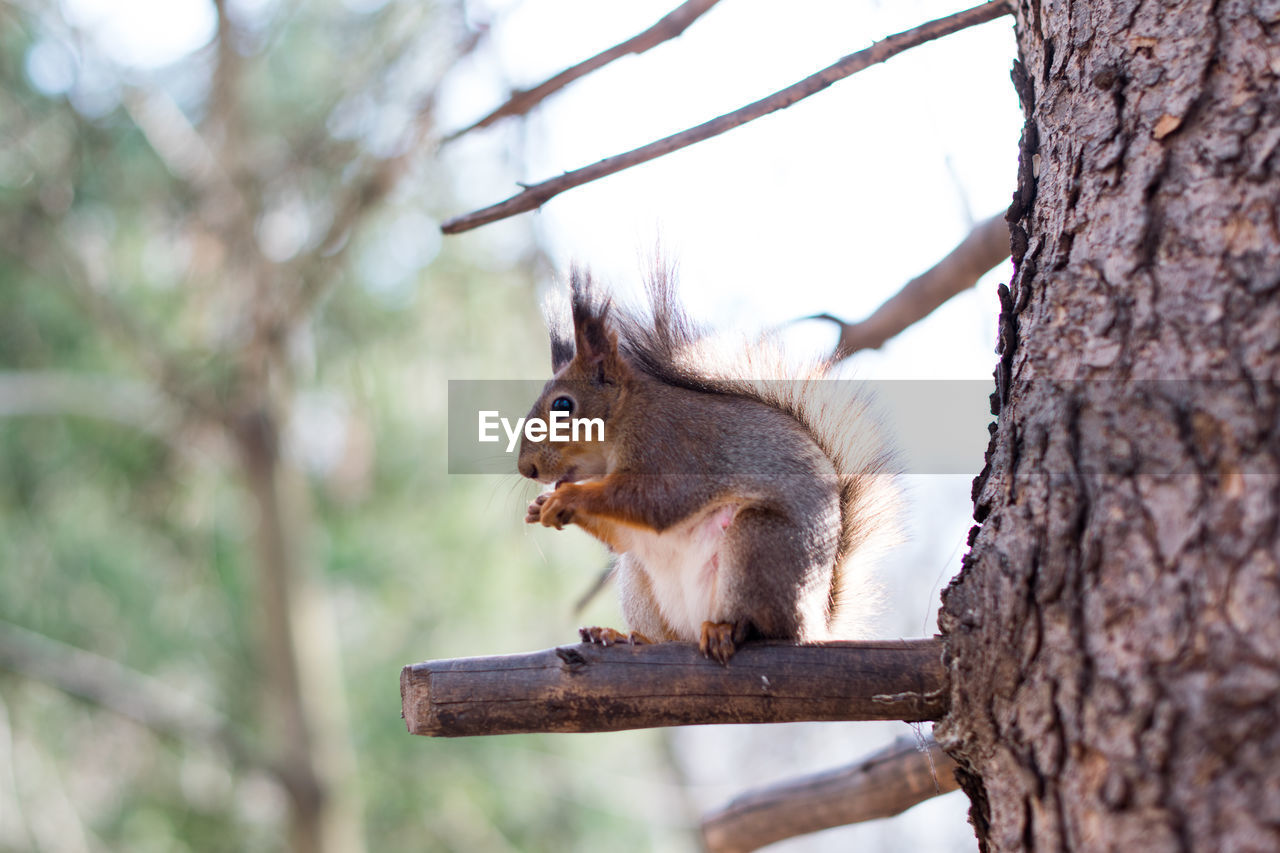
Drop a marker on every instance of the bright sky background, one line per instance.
(144, 33)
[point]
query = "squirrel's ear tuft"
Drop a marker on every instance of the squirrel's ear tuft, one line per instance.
(555, 310)
(585, 298)
(595, 343)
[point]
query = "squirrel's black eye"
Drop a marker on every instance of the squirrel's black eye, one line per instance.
(562, 404)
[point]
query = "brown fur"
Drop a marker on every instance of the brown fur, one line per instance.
(724, 472)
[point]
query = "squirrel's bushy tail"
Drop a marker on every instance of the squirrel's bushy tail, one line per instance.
(665, 343)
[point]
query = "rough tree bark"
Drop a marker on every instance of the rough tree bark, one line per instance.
(1114, 636)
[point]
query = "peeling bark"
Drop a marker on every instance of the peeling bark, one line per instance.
(1114, 636)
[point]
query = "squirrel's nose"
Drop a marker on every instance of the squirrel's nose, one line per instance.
(528, 469)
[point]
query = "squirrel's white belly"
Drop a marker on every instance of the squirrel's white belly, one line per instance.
(683, 566)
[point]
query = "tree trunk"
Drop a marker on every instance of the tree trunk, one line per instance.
(304, 704)
(1114, 637)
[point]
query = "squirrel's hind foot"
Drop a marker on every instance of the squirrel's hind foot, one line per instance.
(721, 639)
(610, 637)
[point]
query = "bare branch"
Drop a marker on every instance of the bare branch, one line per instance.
(224, 95)
(118, 688)
(535, 195)
(985, 246)
(48, 392)
(586, 688)
(522, 101)
(597, 587)
(46, 248)
(317, 269)
(175, 140)
(882, 785)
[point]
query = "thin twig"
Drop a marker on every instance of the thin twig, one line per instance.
(589, 595)
(318, 268)
(535, 195)
(984, 247)
(523, 100)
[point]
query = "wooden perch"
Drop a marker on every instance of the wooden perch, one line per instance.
(881, 785)
(668, 27)
(586, 688)
(985, 246)
(535, 195)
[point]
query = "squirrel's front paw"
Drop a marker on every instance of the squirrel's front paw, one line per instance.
(554, 508)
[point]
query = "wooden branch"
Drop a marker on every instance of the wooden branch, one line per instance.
(986, 246)
(670, 26)
(586, 688)
(882, 785)
(535, 195)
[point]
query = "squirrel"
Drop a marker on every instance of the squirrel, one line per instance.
(736, 493)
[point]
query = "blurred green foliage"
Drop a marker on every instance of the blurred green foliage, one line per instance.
(136, 544)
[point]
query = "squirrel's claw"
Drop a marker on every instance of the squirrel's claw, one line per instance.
(554, 509)
(533, 514)
(551, 513)
(717, 641)
(610, 636)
